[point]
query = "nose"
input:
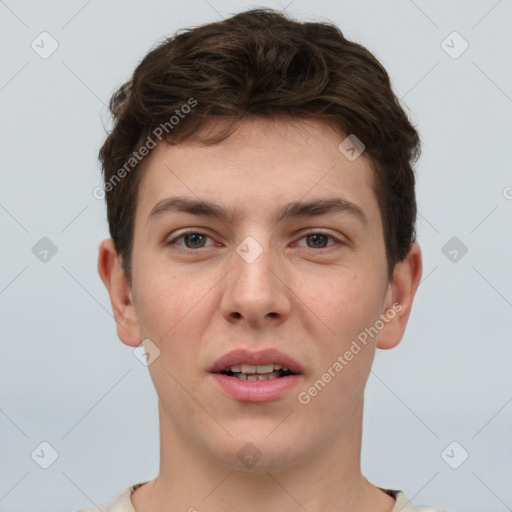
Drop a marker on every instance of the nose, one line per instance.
(255, 290)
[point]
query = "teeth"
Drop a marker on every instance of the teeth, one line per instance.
(251, 368)
(267, 376)
(265, 368)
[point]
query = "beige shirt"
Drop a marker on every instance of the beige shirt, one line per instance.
(122, 503)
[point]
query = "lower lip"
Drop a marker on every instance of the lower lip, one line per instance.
(256, 390)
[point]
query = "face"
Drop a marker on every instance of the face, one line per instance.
(307, 284)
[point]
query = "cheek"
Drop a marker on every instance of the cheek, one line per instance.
(345, 303)
(174, 308)
(164, 298)
(169, 305)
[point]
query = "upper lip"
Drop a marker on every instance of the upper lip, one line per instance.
(244, 356)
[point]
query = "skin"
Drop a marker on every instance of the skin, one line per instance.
(308, 297)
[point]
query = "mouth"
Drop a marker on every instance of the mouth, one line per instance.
(249, 365)
(263, 376)
(257, 372)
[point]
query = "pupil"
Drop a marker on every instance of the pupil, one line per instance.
(193, 236)
(315, 236)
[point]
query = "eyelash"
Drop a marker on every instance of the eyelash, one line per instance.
(192, 232)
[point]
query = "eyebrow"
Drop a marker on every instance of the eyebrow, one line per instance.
(295, 209)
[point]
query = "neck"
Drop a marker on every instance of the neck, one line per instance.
(329, 479)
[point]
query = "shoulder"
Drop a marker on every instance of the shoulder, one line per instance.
(121, 503)
(404, 505)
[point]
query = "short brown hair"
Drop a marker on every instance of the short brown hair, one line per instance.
(260, 62)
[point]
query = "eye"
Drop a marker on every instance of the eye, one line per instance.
(319, 239)
(191, 239)
(196, 240)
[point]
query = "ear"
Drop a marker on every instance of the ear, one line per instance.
(114, 279)
(399, 297)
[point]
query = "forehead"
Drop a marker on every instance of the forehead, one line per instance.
(262, 167)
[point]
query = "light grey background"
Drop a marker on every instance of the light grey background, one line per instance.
(66, 379)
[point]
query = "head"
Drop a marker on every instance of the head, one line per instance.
(249, 114)
(260, 63)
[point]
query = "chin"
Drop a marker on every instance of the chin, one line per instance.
(261, 461)
(260, 450)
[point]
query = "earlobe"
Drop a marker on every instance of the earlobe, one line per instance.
(119, 290)
(400, 296)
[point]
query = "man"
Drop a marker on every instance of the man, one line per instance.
(261, 203)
